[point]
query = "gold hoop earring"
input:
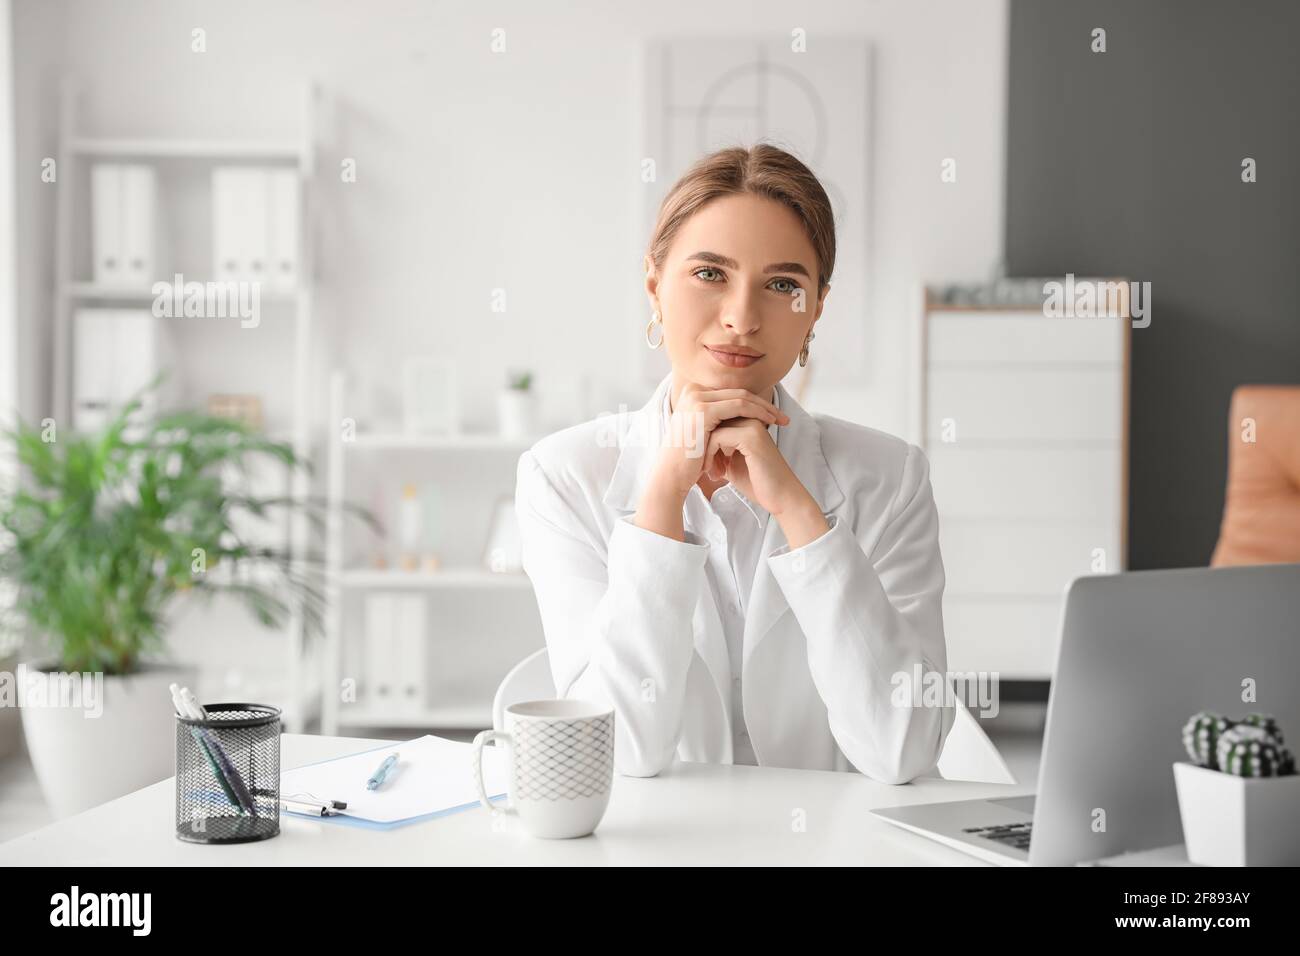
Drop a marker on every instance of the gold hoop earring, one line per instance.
(655, 320)
(803, 352)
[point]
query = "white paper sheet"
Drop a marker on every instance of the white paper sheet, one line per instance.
(432, 775)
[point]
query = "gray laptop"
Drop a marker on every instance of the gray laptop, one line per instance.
(1140, 653)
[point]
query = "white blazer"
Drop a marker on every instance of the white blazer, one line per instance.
(832, 628)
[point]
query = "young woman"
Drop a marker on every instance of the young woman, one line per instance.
(743, 582)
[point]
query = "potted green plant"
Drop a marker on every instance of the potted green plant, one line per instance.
(1239, 797)
(516, 406)
(100, 537)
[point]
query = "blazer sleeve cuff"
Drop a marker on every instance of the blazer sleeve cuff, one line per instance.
(786, 561)
(639, 554)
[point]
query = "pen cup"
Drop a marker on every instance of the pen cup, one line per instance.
(228, 774)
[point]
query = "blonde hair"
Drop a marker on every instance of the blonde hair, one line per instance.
(762, 170)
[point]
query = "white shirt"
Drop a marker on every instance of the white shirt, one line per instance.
(734, 526)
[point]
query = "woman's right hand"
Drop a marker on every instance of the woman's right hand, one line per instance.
(696, 413)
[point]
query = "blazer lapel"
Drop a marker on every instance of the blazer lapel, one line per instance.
(639, 437)
(800, 444)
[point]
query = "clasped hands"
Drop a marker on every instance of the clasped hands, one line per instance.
(722, 434)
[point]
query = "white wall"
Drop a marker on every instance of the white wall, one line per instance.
(479, 171)
(8, 231)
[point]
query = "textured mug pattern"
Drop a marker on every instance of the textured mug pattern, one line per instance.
(563, 759)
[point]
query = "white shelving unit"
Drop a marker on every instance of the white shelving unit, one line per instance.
(472, 708)
(75, 149)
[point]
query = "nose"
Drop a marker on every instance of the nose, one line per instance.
(740, 313)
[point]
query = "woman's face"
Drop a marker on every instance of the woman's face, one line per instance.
(737, 293)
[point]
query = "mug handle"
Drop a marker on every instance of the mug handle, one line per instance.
(479, 741)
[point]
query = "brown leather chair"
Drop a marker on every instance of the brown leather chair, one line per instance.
(1261, 513)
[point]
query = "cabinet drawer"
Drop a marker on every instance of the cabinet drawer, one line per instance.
(1022, 338)
(1023, 560)
(1052, 405)
(1027, 483)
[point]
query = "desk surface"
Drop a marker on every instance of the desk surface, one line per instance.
(690, 814)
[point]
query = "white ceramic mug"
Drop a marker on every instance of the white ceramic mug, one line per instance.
(561, 756)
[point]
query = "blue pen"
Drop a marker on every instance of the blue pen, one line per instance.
(379, 776)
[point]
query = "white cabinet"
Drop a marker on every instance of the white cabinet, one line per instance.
(1025, 425)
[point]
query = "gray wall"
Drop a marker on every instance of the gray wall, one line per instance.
(1129, 163)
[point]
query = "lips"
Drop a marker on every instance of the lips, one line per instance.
(733, 359)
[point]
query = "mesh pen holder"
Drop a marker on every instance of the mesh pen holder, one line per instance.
(228, 774)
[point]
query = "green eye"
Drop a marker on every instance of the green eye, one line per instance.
(793, 286)
(697, 273)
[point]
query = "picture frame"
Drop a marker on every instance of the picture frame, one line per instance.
(430, 397)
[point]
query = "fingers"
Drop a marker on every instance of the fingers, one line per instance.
(717, 412)
(720, 395)
(723, 443)
(719, 463)
(717, 467)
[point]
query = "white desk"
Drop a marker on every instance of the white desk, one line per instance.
(690, 814)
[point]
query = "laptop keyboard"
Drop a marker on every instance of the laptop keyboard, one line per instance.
(1015, 835)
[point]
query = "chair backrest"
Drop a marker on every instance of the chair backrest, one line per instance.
(530, 679)
(968, 754)
(1261, 509)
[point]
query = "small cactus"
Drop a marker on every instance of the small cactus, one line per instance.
(1249, 747)
(1250, 751)
(1265, 722)
(1201, 737)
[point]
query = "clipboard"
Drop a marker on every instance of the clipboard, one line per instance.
(433, 778)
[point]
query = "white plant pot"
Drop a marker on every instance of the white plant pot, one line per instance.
(83, 760)
(1238, 821)
(517, 413)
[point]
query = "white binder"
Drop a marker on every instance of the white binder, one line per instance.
(409, 650)
(138, 221)
(226, 265)
(380, 657)
(106, 224)
(282, 228)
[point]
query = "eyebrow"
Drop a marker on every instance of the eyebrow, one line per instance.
(718, 260)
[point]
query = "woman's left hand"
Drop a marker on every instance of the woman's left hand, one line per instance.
(742, 451)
